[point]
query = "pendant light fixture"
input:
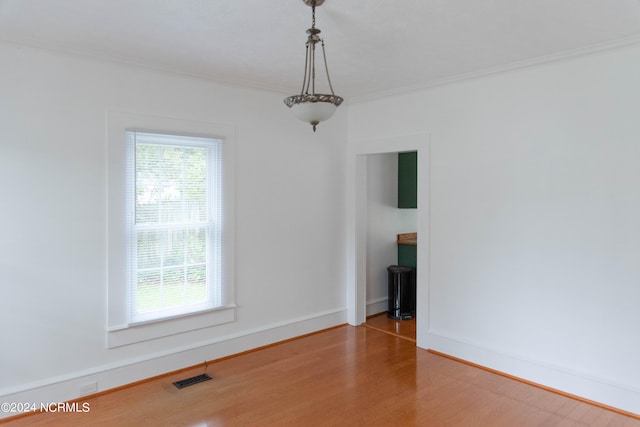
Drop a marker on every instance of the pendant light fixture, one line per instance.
(310, 106)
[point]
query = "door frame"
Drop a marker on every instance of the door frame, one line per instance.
(356, 244)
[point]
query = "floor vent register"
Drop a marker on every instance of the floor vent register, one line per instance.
(192, 380)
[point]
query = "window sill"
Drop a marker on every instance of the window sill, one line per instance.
(131, 334)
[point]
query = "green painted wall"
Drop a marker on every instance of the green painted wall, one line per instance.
(408, 180)
(407, 255)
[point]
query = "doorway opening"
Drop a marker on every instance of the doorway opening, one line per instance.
(391, 216)
(366, 263)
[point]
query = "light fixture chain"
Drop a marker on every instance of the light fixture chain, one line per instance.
(313, 69)
(326, 67)
(307, 74)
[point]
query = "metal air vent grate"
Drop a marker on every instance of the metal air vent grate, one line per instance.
(191, 381)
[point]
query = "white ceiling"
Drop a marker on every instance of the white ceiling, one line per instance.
(373, 46)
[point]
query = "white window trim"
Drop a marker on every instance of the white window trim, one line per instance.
(119, 332)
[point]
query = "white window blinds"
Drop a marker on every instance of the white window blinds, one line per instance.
(175, 219)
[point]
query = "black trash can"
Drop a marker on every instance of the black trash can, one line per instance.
(402, 292)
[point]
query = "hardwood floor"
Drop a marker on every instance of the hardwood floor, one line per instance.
(401, 328)
(346, 376)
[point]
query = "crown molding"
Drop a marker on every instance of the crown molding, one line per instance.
(513, 66)
(97, 56)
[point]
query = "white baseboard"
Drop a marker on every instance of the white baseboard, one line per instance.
(378, 305)
(66, 388)
(607, 392)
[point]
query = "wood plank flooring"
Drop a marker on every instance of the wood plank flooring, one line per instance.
(346, 376)
(401, 328)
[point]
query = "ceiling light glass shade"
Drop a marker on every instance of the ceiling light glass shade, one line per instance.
(313, 109)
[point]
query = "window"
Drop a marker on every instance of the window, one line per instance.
(171, 244)
(174, 215)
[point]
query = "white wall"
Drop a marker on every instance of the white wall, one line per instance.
(53, 265)
(384, 222)
(534, 207)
